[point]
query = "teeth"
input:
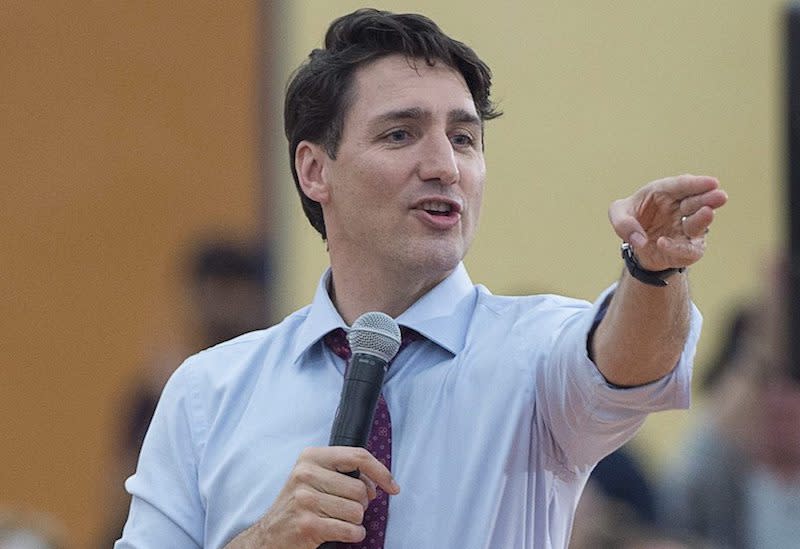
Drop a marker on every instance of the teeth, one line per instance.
(436, 207)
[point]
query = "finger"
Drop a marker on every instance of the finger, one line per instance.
(345, 459)
(687, 185)
(327, 505)
(626, 225)
(332, 482)
(342, 531)
(696, 225)
(715, 198)
(681, 251)
(372, 492)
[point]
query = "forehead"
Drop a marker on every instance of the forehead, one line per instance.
(395, 83)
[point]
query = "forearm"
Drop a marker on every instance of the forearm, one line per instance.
(664, 225)
(642, 335)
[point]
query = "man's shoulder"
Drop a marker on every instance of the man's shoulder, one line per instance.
(528, 304)
(220, 381)
(249, 351)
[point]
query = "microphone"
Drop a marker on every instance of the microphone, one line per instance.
(374, 341)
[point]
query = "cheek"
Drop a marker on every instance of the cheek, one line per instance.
(379, 178)
(368, 197)
(351, 186)
(475, 193)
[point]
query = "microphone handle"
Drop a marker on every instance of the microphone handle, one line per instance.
(353, 421)
(360, 393)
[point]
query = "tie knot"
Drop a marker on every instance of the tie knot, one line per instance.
(337, 341)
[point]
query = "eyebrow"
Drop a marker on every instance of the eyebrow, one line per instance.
(462, 116)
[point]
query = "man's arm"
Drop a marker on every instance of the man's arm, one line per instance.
(641, 336)
(166, 506)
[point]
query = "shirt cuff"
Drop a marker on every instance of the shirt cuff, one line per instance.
(672, 391)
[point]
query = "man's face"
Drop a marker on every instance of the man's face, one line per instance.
(406, 186)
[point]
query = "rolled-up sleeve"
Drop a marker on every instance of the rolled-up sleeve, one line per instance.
(585, 416)
(166, 508)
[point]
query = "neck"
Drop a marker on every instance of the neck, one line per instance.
(357, 291)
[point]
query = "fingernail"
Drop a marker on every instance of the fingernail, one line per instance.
(395, 487)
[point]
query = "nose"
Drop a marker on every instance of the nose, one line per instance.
(437, 161)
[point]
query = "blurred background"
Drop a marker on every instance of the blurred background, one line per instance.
(135, 137)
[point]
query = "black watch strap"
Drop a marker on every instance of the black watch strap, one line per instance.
(653, 278)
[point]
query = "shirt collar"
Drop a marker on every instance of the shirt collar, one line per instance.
(442, 315)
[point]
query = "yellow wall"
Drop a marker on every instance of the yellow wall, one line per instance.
(601, 97)
(125, 128)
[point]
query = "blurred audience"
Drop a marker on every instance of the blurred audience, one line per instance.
(229, 290)
(620, 478)
(228, 295)
(737, 481)
(29, 530)
(617, 510)
(602, 522)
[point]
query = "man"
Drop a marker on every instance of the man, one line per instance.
(500, 407)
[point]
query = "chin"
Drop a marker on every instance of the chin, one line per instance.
(432, 256)
(439, 263)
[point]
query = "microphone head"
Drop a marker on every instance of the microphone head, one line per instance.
(375, 334)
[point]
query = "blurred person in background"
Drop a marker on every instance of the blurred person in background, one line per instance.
(616, 486)
(737, 480)
(621, 478)
(229, 290)
(29, 530)
(617, 510)
(228, 294)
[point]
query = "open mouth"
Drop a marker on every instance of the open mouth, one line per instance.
(437, 208)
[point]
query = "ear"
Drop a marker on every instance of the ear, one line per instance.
(309, 161)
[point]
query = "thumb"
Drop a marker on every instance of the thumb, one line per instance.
(626, 225)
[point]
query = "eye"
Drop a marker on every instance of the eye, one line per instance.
(462, 140)
(398, 136)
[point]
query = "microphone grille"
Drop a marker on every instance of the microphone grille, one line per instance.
(375, 334)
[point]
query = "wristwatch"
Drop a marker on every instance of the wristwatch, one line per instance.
(653, 278)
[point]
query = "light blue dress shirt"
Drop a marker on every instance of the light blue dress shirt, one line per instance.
(498, 417)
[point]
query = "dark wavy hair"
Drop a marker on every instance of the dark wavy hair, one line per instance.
(320, 91)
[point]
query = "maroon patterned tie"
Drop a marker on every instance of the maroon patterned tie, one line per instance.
(379, 444)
